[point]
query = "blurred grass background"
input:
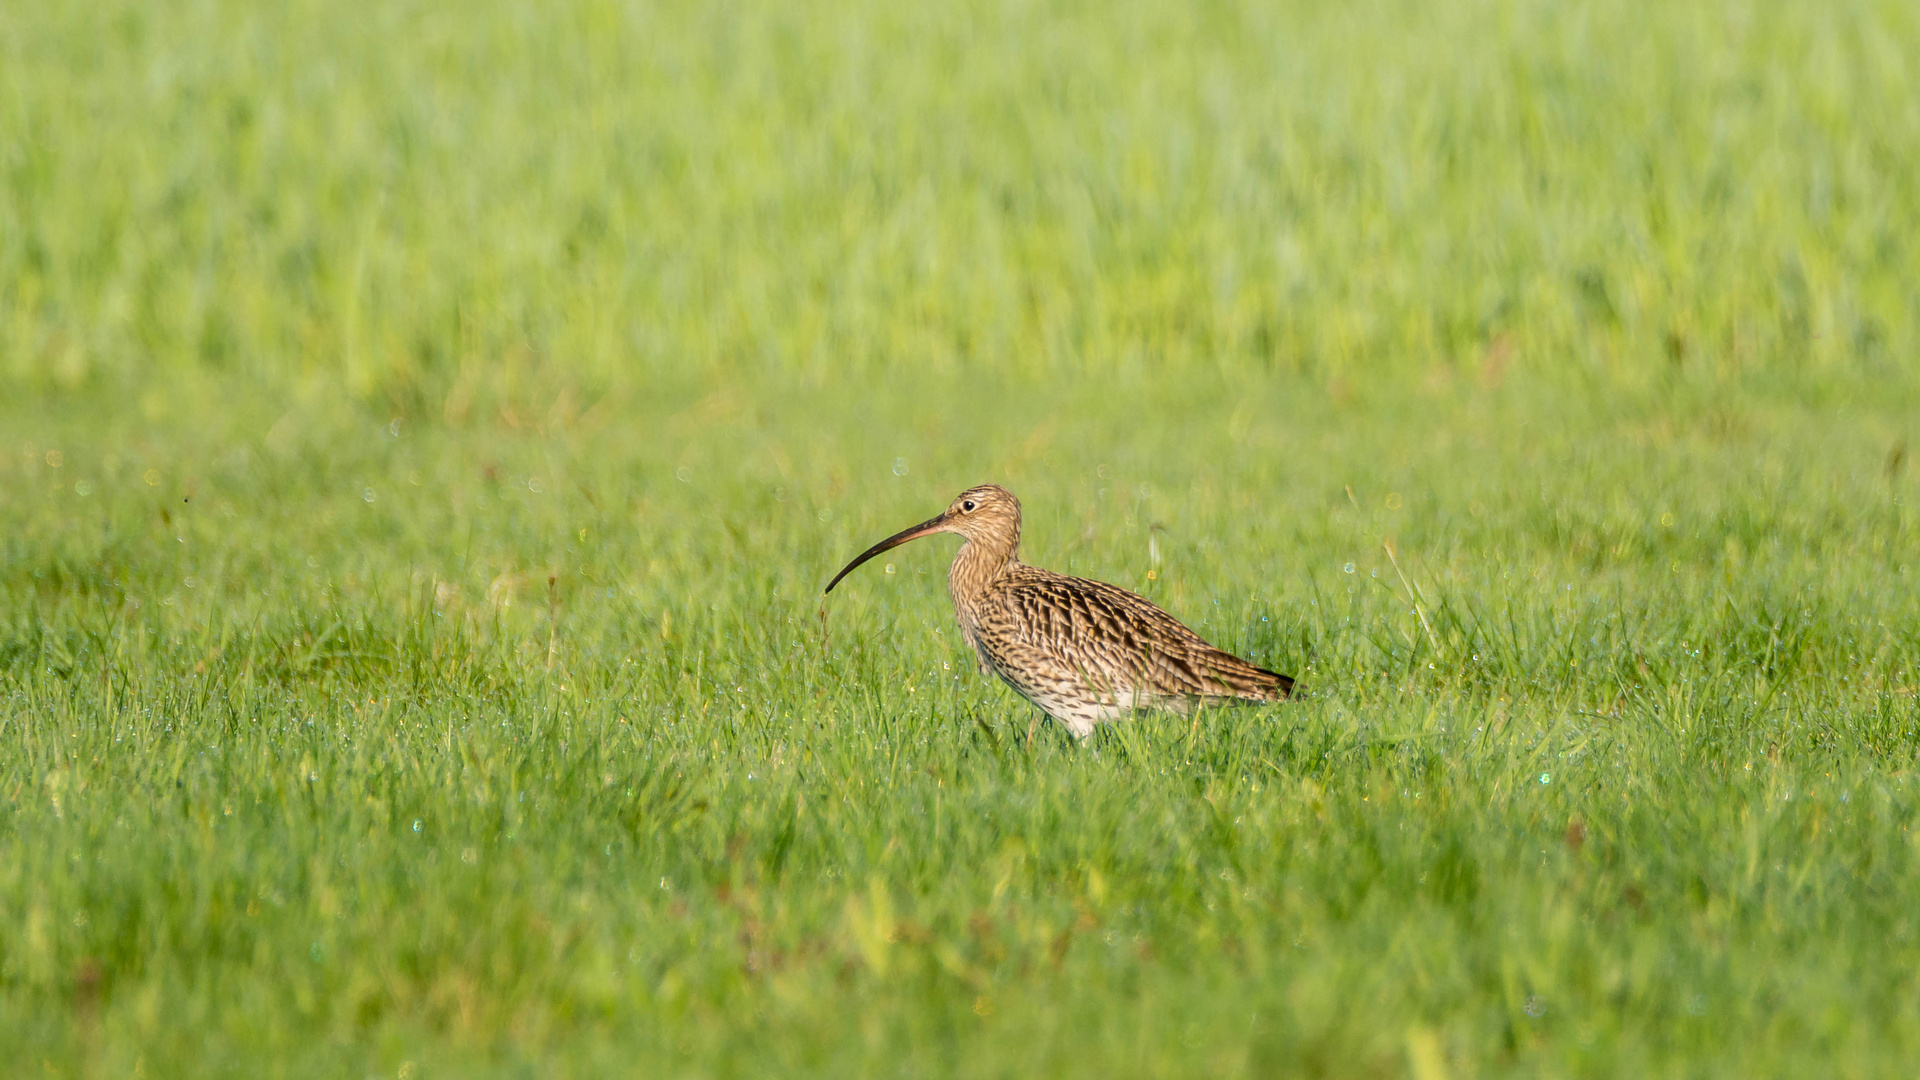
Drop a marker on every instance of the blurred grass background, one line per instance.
(424, 432)
(434, 205)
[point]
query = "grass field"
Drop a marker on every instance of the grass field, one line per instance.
(425, 432)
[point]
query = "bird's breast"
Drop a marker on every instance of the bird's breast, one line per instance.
(970, 632)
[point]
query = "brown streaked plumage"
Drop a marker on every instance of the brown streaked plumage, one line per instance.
(1082, 651)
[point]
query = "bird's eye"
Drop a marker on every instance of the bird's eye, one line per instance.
(968, 505)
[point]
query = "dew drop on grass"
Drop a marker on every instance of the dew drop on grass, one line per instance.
(416, 824)
(1546, 778)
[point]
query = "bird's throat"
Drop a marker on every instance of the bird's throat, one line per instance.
(976, 566)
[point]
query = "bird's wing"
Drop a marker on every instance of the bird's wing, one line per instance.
(1115, 640)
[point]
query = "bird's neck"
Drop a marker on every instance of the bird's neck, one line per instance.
(977, 566)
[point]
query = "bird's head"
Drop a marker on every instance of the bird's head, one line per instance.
(987, 515)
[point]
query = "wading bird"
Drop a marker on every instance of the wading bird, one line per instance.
(1082, 651)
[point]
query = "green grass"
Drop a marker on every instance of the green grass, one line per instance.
(424, 435)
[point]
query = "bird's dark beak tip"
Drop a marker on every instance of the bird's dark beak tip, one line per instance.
(893, 541)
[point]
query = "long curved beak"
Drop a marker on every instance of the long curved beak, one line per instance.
(925, 528)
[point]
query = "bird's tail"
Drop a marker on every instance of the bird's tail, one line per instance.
(1280, 690)
(1238, 680)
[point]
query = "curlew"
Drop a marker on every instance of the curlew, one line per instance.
(1082, 651)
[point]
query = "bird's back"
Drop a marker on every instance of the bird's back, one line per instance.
(1086, 651)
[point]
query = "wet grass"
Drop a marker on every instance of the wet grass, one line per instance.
(557, 759)
(425, 439)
